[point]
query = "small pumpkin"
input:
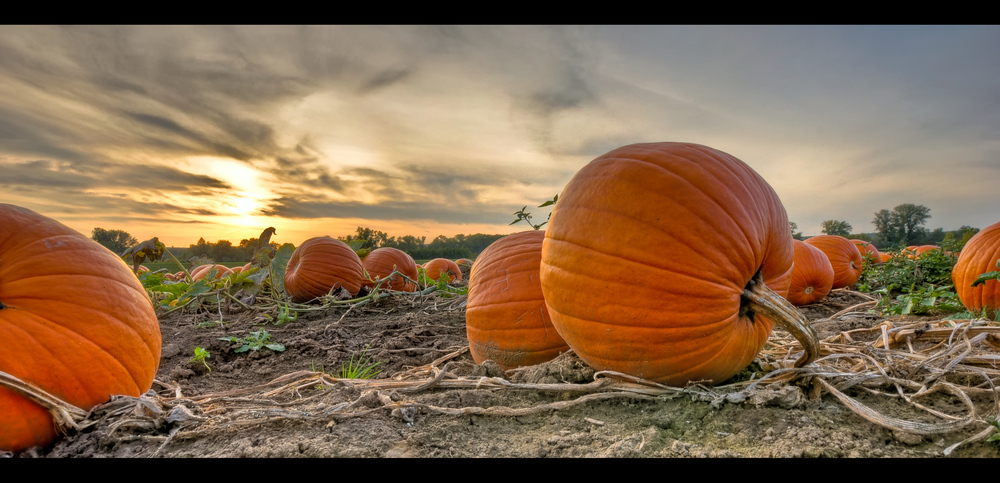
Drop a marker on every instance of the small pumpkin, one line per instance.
(669, 261)
(505, 315)
(867, 250)
(319, 265)
(383, 261)
(844, 257)
(979, 256)
(438, 266)
(221, 271)
(74, 321)
(812, 275)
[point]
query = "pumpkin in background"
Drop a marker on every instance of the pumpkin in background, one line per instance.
(922, 249)
(438, 266)
(867, 250)
(885, 257)
(505, 316)
(221, 271)
(382, 261)
(320, 264)
(979, 256)
(74, 321)
(465, 267)
(844, 257)
(812, 275)
(657, 263)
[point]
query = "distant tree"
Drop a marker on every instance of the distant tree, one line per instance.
(370, 239)
(836, 227)
(794, 227)
(115, 240)
(901, 226)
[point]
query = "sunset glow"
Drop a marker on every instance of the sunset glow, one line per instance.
(217, 132)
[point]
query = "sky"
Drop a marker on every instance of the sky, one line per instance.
(217, 132)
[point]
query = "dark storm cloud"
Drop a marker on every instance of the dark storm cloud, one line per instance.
(93, 175)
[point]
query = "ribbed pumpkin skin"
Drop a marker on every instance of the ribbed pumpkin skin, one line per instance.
(867, 249)
(383, 261)
(506, 319)
(74, 321)
(844, 257)
(812, 275)
(318, 265)
(647, 253)
(435, 267)
(979, 256)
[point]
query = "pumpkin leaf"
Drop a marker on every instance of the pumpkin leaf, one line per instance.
(151, 250)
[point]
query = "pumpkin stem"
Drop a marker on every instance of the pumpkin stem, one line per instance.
(762, 300)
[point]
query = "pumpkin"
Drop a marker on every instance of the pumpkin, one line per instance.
(812, 275)
(319, 265)
(867, 250)
(844, 257)
(657, 263)
(885, 257)
(979, 256)
(74, 321)
(383, 261)
(505, 316)
(438, 266)
(221, 271)
(922, 249)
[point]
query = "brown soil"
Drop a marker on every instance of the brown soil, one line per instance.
(265, 403)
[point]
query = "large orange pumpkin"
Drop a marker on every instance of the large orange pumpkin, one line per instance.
(383, 261)
(438, 266)
(979, 256)
(74, 321)
(655, 262)
(844, 257)
(320, 264)
(506, 319)
(812, 275)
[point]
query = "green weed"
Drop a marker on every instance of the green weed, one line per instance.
(200, 355)
(365, 367)
(255, 341)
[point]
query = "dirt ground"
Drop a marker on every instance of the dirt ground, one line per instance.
(268, 403)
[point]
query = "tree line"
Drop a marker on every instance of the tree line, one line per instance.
(897, 228)
(458, 246)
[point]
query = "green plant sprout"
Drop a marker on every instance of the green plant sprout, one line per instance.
(200, 355)
(526, 217)
(364, 368)
(285, 315)
(255, 341)
(996, 429)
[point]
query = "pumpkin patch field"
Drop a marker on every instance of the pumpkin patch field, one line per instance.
(676, 337)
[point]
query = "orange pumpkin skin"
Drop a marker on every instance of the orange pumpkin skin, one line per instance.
(646, 256)
(74, 321)
(318, 265)
(383, 261)
(221, 271)
(437, 266)
(505, 316)
(812, 275)
(885, 257)
(979, 256)
(867, 250)
(844, 257)
(922, 249)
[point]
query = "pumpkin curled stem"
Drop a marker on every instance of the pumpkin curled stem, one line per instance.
(764, 301)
